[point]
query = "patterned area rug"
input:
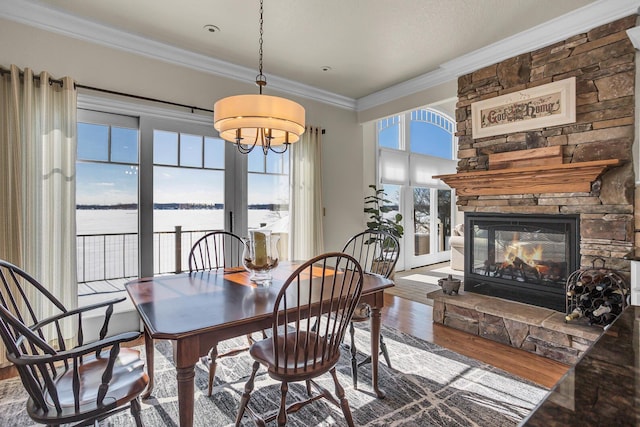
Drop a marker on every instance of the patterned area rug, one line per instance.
(427, 386)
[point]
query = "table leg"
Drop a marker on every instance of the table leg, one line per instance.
(376, 316)
(148, 348)
(186, 355)
(185, 378)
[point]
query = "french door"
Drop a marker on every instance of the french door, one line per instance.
(413, 147)
(198, 182)
(427, 225)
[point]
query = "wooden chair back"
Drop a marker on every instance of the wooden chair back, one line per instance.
(376, 251)
(315, 306)
(19, 292)
(218, 249)
(54, 367)
(17, 317)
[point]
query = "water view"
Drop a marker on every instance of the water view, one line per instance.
(107, 244)
(106, 221)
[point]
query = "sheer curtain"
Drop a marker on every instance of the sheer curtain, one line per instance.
(37, 172)
(306, 196)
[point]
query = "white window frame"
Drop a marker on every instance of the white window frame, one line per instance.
(410, 177)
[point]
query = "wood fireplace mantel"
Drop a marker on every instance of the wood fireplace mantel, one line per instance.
(554, 178)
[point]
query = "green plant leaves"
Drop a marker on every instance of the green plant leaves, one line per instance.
(376, 206)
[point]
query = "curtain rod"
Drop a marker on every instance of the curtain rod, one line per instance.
(144, 98)
(316, 129)
(111, 92)
(35, 76)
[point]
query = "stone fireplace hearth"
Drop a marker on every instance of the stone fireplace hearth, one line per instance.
(534, 329)
(603, 62)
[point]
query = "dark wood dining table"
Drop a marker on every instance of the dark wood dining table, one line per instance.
(197, 310)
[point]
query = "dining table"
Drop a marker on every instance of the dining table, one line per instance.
(197, 310)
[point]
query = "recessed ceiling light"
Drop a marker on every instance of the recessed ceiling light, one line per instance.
(211, 28)
(325, 68)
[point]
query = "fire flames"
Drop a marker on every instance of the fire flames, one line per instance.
(527, 261)
(517, 253)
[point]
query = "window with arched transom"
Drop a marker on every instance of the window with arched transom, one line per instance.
(413, 147)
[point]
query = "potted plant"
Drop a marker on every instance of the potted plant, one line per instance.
(377, 205)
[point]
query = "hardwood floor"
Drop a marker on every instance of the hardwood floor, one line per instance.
(416, 319)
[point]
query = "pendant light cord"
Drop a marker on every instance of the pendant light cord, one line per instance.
(261, 80)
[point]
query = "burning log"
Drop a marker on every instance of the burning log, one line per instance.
(526, 269)
(551, 270)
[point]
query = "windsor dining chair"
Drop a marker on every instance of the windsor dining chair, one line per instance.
(310, 317)
(377, 252)
(68, 381)
(218, 250)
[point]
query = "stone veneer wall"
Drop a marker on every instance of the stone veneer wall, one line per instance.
(603, 62)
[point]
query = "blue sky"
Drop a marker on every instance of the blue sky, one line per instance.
(102, 182)
(425, 138)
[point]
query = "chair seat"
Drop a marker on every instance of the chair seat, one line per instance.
(291, 364)
(127, 382)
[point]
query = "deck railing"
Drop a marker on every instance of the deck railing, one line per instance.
(115, 255)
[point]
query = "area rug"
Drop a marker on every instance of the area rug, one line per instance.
(426, 386)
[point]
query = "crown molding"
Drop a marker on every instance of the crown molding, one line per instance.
(560, 28)
(600, 12)
(557, 29)
(40, 16)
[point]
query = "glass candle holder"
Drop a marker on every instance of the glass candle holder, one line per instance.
(260, 255)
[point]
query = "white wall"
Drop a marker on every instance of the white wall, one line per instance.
(99, 66)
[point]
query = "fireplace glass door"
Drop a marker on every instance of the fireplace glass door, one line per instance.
(522, 258)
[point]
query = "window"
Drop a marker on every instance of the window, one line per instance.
(188, 192)
(188, 176)
(412, 148)
(106, 196)
(268, 191)
(143, 178)
(431, 134)
(389, 132)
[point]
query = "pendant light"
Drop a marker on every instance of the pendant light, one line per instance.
(259, 120)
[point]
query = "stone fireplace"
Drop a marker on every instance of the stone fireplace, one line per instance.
(525, 258)
(603, 62)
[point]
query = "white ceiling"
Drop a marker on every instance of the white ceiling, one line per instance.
(372, 46)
